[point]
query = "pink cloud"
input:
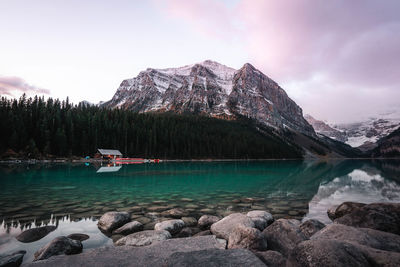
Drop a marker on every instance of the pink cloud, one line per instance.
(13, 86)
(350, 45)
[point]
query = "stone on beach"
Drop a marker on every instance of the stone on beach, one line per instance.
(379, 216)
(248, 238)
(156, 254)
(59, 245)
(224, 227)
(271, 258)
(362, 236)
(214, 257)
(129, 228)
(113, 220)
(343, 209)
(206, 221)
(172, 226)
(143, 238)
(13, 259)
(260, 218)
(283, 235)
(35, 234)
(310, 227)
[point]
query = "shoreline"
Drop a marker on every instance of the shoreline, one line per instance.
(102, 161)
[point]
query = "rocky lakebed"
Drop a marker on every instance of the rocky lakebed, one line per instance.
(360, 235)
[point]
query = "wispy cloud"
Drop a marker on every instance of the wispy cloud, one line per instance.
(14, 86)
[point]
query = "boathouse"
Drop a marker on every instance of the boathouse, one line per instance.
(109, 153)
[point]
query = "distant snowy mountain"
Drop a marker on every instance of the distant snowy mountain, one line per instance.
(363, 134)
(212, 88)
(323, 128)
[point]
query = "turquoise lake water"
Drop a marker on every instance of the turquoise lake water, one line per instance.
(74, 196)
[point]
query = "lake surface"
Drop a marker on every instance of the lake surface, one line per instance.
(73, 197)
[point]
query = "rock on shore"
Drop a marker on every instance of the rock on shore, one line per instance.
(361, 235)
(113, 220)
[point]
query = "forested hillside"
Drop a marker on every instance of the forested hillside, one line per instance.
(37, 128)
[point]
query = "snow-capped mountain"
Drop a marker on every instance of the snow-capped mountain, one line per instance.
(323, 128)
(363, 134)
(214, 89)
(367, 133)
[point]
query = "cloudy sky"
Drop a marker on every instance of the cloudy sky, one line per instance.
(339, 60)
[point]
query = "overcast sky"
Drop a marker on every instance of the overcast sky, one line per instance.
(339, 60)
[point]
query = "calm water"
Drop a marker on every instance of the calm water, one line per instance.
(73, 197)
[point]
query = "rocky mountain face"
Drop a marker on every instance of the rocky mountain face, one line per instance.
(213, 89)
(322, 128)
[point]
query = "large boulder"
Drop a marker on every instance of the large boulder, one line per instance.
(113, 220)
(34, 234)
(271, 258)
(380, 216)
(143, 238)
(324, 252)
(260, 218)
(206, 221)
(129, 228)
(153, 255)
(283, 235)
(224, 227)
(172, 226)
(12, 260)
(343, 209)
(214, 257)
(310, 227)
(59, 245)
(248, 238)
(362, 236)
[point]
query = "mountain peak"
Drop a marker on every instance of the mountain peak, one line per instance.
(209, 87)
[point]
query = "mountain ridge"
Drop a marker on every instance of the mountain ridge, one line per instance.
(212, 88)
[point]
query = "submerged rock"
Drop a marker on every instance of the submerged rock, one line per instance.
(283, 235)
(260, 218)
(379, 216)
(224, 227)
(172, 226)
(129, 228)
(143, 238)
(175, 213)
(310, 227)
(35, 234)
(113, 220)
(79, 237)
(59, 245)
(206, 221)
(248, 238)
(12, 260)
(189, 221)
